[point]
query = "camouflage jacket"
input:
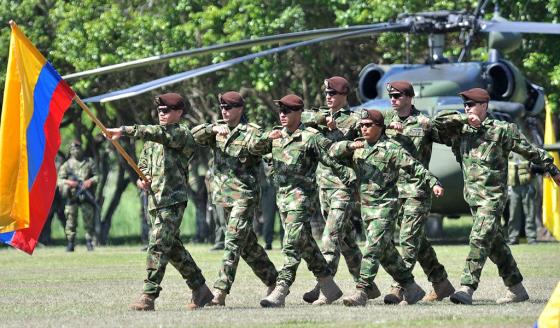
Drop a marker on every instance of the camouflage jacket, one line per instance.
(416, 138)
(377, 167)
(165, 158)
(295, 157)
(346, 129)
(235, 174)
(74, 169)
(519, 170)
(483, 154)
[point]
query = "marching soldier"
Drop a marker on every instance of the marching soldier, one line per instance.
(235, 188)
(77, 179)
(377, 161)
(336, 123)
(164, 160)
(296, 150)
(482, 146)
(416, 135)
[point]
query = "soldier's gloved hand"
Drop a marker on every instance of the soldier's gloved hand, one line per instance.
(220, 129)
(474, 121)
(438, 190)
(397, 126)
(113, 133)
(331, 123)
(87, 183)
(356, 144)
(275, 134)
(143, 184)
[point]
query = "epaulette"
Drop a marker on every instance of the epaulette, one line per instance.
(256, 126)
(310, 129)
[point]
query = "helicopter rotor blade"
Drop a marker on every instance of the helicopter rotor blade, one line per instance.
(168, 80)
(237, 45)
(519, 27)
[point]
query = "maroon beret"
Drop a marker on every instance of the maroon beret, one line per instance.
(231, 98)
(338, 84)
(172, 100)
(291, 101)
(476, 94)
(374, 115)
(403, 87)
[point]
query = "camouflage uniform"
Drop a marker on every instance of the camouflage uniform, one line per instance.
(337, 199)
(295, 157)
(522, 193)
(377, 168)
(416, 195)
(483, 154)
(78, 170)
(165, 157)
(236, 189)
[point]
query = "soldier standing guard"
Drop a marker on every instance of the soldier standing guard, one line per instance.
(235, 188)
(377, 161)
(336, 123)
(522, 204)
(416, 135)
(77, 178)
(296, 150)
(482, 146)
(164, 160)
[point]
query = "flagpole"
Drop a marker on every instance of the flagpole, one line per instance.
(115, 143)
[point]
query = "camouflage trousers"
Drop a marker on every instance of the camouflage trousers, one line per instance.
(241, 241)
(165, 246)
(487, 241)
(339, 236)
(414, 244)
(380, 249)
(522, 208)
(299, 243)
(88, 215)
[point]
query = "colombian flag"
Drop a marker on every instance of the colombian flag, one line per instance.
(35, 99)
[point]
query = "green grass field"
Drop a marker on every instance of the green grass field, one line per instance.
(53, 289)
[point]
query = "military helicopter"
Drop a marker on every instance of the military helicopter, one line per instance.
(437, 81)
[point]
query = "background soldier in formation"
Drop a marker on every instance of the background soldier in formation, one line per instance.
(296, 150)
(336, 122)
(377, 161)
(414, 132)
(164, 160)
(522, 205)
(236, 189)
(482, 146)
(77, 179)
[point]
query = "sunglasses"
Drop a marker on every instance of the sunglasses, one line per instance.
(469, 104)
(286, 110)
(365, 125)
(230, 106)
(395, 95)
(331, 93)
(164, 109)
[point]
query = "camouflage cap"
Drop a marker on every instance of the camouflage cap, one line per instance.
(170, 100)
(338, 84)
(291, 101)
(374, 115)
(231, 98)
(403, 87)
(478, 95)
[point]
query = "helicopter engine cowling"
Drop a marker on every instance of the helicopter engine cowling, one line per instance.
(501, 83)
(369, 76)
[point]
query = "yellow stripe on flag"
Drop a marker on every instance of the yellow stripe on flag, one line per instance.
(551, 192)
(24, 65)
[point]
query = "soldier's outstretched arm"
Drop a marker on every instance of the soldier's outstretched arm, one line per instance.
(414, 168)
(517, 142)
(341, 149)
(204, 134)
(322, 146)
(261, 144)
(447, 125)
(173, 135)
